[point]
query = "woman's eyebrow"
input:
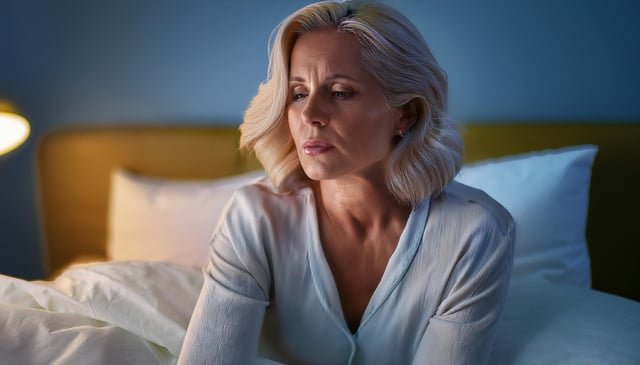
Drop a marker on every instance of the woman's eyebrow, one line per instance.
(296, 79)
(341, 76)
(331, 77)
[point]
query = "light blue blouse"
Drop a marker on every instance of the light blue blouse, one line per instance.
(269, 292)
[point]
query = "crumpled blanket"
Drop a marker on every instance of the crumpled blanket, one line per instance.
(99, 313)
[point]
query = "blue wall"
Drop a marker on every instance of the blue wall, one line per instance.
(68, 62)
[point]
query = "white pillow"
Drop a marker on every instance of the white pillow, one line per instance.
(166, 220)
(547, 194)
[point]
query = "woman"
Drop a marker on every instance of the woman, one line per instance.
(359, 249)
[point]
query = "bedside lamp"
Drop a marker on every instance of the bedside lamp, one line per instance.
(14, 129)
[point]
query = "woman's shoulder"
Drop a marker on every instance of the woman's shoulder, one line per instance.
(262, 191)
(469, 203)
(476, 225)
(259, 220)
(261, 200)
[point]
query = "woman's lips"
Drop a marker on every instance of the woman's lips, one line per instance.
(316, 147)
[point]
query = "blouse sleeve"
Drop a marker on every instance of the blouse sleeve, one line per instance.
(464, 325)
(225, 325)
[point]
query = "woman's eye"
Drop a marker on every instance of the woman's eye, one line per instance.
(341, 94)
(297, 96)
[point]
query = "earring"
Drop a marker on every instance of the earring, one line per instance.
(400, 133)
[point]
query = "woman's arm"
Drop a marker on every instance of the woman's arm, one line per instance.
(463, 328)
(225, 326)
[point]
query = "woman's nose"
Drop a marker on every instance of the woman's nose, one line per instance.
(315, 110)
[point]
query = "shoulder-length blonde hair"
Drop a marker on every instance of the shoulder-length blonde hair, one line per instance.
(429, 154)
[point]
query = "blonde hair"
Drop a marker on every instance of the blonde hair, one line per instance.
(422, 162)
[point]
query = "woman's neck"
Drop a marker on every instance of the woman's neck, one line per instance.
(359, 204)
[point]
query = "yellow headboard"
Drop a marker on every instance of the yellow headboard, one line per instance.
(74, 166)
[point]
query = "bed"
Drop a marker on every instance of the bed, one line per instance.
(126, 211)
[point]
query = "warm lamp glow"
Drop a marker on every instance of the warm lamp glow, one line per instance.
(14, 130)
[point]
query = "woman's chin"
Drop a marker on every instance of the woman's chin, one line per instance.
(316, 174)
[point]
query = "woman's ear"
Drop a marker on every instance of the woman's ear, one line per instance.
(409, 115)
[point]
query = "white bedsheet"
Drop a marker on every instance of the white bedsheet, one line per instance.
(106, 313)
(137, 313)
(546, 324)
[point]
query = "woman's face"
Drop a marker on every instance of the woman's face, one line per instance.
(340, 121)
